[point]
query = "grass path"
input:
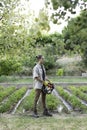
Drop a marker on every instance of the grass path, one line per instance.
(68, 79)
(57, 122)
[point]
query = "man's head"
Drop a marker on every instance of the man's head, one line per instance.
(40, 59)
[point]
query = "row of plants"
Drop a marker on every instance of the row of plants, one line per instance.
(4, 92)
(12, 100)
(52, 102)
(78, 92)
(83, 89)
(72, 100)
(28, 102)
(1, 88)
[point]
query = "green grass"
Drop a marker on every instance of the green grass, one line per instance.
(69, 79)
(63, 122)
(14, 79)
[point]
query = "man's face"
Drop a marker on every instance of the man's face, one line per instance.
(42, 60)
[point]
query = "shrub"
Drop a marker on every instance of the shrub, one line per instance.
(9, 66)
(26, 71)
(49, 62)
(60, 72)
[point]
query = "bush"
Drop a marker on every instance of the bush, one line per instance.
(85, 57)
(60, 72)
(9, 66)
(49, 62)
(72, 66)
(26, 71)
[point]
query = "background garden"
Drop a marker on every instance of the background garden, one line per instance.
(25, 34)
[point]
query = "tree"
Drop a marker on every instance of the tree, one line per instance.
(18, 34)
(75, 35)
(62, 7)
(7, 29)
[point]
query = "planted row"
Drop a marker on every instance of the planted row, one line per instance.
(78, 92)
(4, 92)
(2, 88)
(83, 89)
(12, 100)
(72, 100)
(28, 102)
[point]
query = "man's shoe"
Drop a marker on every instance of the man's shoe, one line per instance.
(46, 113)
(35, 115)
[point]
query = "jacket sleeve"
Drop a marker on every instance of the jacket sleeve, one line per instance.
(35, 72)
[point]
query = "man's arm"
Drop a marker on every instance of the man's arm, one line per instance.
(38, 78)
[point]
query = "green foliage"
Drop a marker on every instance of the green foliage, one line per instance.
(75, 37)
(49, 62)
(12, 99)
(1, 88)
(42, 22)
(75, 103)
(9, 66)
(18, 36)
(22, 36)
(53, 44)
(85, 56)
(29, 101)
(6, 92)
(83, 89)
(52, 102)
(62, 6)
(59, 72)
(79, 93)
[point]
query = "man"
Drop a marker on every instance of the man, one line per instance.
(39, 76)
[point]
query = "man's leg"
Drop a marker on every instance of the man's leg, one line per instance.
(37, 95)
(45, 112)
(44, 100)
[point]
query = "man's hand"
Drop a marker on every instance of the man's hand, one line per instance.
(38, 78)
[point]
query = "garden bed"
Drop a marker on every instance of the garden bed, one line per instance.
(13, 99)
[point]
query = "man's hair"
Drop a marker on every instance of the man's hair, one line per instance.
(38, 57)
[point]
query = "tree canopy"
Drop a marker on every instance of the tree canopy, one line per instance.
(63, 7)
(75, 35)
(24, 35)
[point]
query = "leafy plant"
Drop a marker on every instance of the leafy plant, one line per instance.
(12, 99)
(72, 100)
(52, 102)
(6, 92)
(60, 72)
(78, 92)
(28, 102)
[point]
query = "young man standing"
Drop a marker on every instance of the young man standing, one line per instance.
(39, 76)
